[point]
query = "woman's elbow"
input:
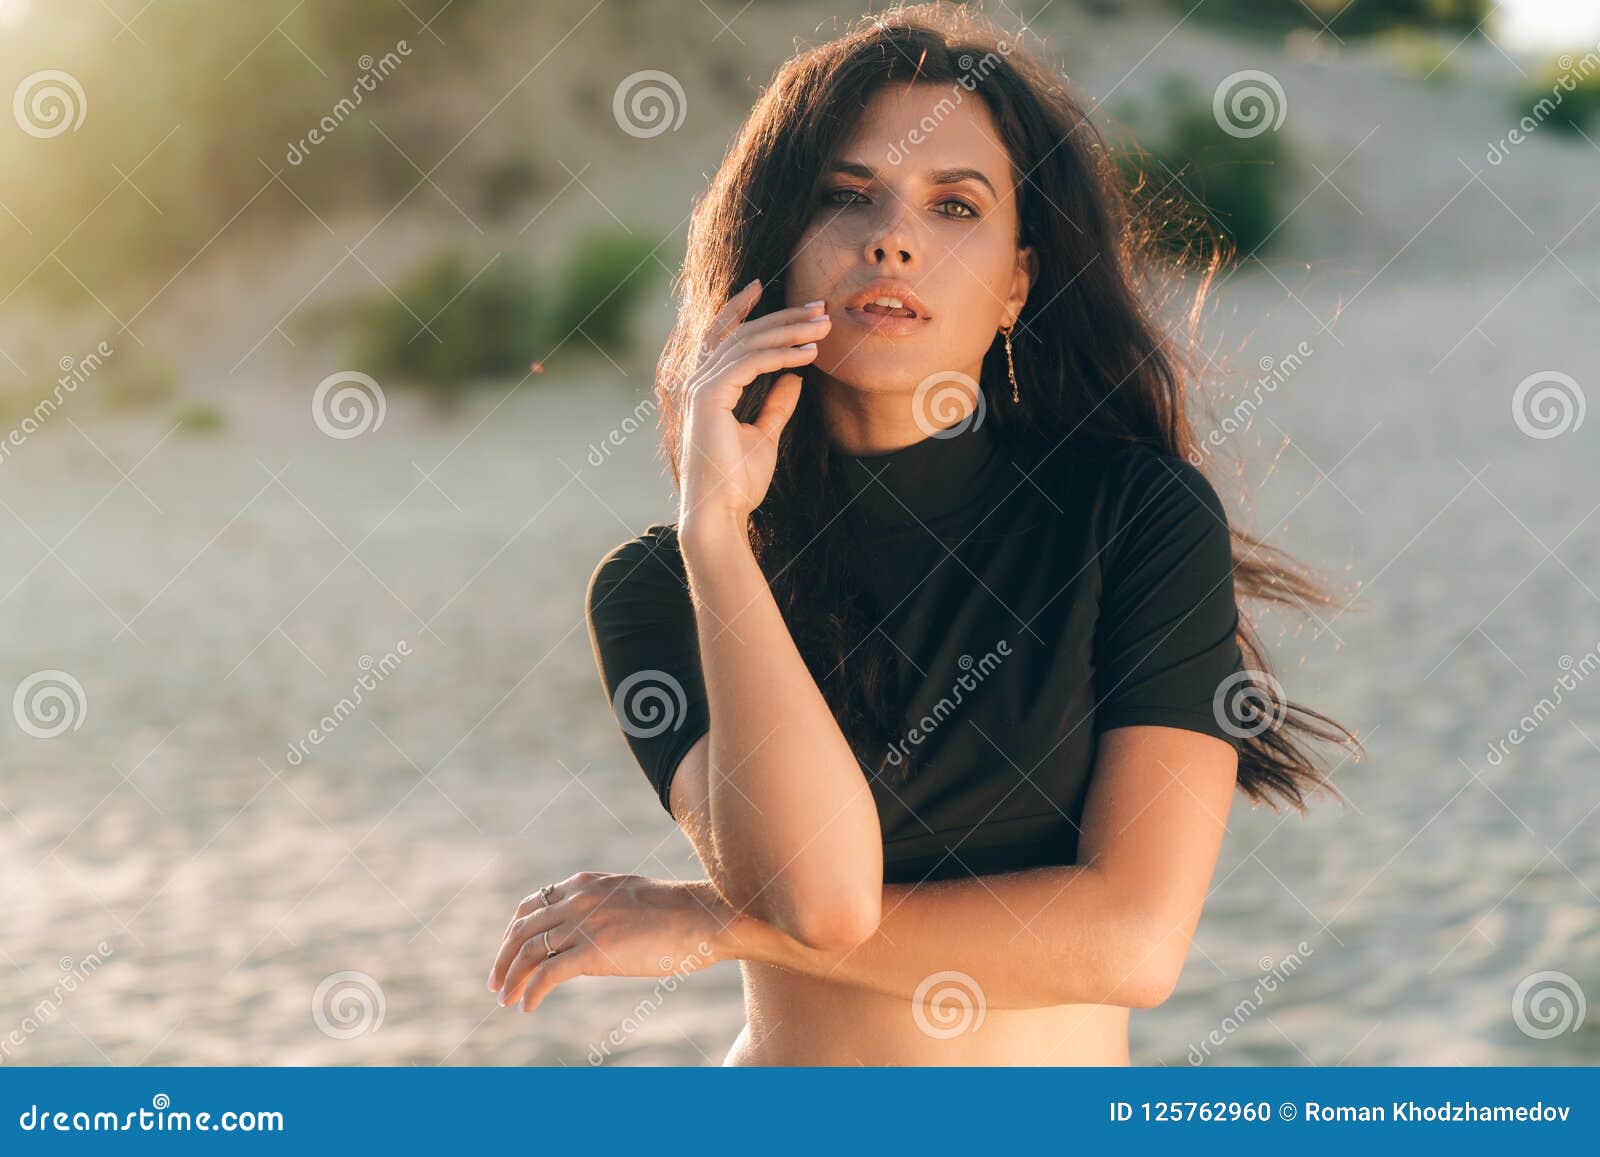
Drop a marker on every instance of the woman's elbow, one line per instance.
(837, 923)
(1154, 963)
(827, 919)
(840, 927)
(1150, 987)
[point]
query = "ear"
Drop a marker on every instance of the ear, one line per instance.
(1027, 272)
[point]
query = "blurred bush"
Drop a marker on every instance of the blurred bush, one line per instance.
(200, 418)
(184, 132)
(448, 324)
(507, 182)
(600, 288)
(135, 380)
(454, 322)
(1422, 55)
(1203, 188)
(1563, 99)
(1341, 17)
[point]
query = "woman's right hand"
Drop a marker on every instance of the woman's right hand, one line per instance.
(727, 464)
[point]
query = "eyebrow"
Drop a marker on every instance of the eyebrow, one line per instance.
(935, 176)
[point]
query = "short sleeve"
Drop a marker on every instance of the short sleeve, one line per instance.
(642, 629)
(1166, 650)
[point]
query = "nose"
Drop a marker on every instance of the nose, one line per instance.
(879, 252)
(892, 242)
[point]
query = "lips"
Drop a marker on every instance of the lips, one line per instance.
(866, 300)
(887, 308)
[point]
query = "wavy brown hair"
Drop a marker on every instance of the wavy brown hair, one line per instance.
(1100, 372)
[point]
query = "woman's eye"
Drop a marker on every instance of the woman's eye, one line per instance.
(949, 207)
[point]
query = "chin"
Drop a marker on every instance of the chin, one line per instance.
(882, 374)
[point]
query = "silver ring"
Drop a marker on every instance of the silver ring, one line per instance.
(544, 893)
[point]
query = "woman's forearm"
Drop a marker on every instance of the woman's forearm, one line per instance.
(792, 820)
(1046, 936)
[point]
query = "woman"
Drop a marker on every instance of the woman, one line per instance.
(940, 668)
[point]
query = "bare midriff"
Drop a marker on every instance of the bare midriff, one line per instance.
(795, 1019)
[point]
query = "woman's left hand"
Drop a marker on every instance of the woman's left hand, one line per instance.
(608, 924)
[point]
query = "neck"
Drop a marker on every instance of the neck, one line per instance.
(861, 422)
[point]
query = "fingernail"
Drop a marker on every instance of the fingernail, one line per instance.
(754, 281)
(810, 345)
(814, 304)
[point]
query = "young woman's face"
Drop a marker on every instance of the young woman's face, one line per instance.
(922, 196)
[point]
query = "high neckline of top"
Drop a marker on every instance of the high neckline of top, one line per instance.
(929, 479)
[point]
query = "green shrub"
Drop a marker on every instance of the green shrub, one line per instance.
(1344, 18)
(452, 325)
(1203, 184)
(600, 288)
(1563, 99)
(1422, 55)
(200, 418)
(507, 182)
(137, 380)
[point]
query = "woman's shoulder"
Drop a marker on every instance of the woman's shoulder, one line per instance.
(645, 567)
(656, 545)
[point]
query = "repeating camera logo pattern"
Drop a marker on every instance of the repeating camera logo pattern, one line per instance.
(649, 103)
(1547, 1004)
(942, 396)
(49, 703)
(1249, 103)
(1249, 703)
(49, 103)
(947, 1004)
(348, 404)
(1548, 404)
(648, 703)
(347, 1005)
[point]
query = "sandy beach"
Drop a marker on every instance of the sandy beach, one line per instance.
(215, 596)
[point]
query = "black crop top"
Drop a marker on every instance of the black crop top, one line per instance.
(1035, 599)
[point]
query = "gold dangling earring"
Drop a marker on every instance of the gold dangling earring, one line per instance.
(1011, 368)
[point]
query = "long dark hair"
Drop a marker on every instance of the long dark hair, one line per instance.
(1099, 370)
